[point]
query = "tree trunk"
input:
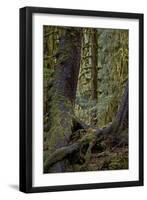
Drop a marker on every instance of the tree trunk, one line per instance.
(121, 117)
(94, 56)
(63, 94)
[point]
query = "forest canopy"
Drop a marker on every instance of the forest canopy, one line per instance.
(85, 99)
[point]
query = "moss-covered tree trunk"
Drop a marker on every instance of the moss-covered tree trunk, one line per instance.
(94, 61)
(63, 95)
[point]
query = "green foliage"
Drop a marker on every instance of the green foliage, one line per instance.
(112, 73)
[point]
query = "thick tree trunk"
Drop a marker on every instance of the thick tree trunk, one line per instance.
(63, 95)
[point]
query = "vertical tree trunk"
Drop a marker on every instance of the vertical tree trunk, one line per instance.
(121, 116)
(94, 61)
(63, 94)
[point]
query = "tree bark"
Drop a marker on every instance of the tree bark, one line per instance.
(63, 95)
(94, 57)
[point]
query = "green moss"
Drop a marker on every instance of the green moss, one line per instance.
(90, 136)
(119, 162)
(61, 121)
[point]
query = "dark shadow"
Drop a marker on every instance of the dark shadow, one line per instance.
(14, 187)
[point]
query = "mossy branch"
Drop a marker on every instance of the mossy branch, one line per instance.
(59, 155)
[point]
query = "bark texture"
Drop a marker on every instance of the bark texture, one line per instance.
(63, 95)
(94, 62)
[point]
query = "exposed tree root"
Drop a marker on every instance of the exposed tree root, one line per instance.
(90, 138)
(84, 139)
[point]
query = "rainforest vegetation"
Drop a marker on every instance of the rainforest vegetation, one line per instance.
(85, 99)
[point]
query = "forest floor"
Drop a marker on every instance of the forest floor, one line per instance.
(116, 159)
(104, 155)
